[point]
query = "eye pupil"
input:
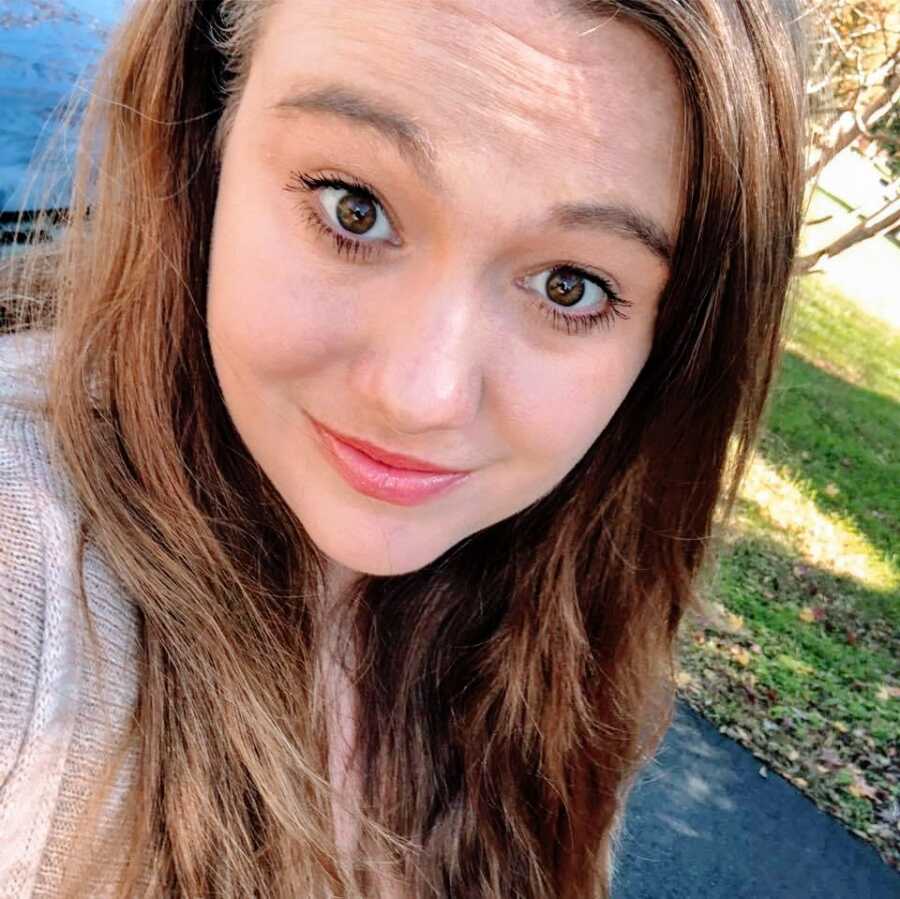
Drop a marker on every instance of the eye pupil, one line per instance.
(565, 286)
(356, 213)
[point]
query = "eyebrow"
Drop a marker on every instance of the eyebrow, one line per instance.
(621, 219)
(414, 144)
(412, 140)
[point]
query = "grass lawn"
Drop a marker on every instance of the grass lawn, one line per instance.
(801, 660)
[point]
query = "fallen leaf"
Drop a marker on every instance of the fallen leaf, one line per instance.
(840, 726)
(830, 757)
(862, 790)
(806, 614)
(832, 489)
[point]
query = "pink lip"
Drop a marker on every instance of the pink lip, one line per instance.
(404, 486)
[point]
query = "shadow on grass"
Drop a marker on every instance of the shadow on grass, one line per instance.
(841, 443)
(853, 640)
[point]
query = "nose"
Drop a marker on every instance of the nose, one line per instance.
(421, 368)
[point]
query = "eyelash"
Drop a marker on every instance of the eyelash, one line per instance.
(362, 251)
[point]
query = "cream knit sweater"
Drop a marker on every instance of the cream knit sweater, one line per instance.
(61, 708)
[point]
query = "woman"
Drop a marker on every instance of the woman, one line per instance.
(390, 389)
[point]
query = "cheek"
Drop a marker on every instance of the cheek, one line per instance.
(270, 313)
(563, 406)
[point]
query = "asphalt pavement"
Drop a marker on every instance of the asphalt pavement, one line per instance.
(702, 823)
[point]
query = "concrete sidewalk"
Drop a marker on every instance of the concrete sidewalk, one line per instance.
(702, 824)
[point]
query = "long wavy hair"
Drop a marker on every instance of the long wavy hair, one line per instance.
(511, 690)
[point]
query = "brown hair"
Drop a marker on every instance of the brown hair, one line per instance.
(511, 690)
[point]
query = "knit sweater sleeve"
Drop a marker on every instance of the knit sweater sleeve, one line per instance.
(23, 595)
(39, 647)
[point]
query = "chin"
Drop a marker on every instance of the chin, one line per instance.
(374, 553)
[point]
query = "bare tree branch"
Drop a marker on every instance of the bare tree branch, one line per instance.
(876, 224)
(850, 126)
(819, 221)
(813, 89)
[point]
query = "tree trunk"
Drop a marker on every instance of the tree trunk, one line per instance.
(878, 223)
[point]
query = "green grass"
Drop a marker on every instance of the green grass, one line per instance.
(802, 661)
(834, 424)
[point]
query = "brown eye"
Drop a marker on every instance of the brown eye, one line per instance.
(356, 213)
(351, 209)
(565, 286)
(568, 286)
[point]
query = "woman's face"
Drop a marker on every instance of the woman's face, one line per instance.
(442, 229)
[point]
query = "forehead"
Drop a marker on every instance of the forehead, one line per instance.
(529, 87)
